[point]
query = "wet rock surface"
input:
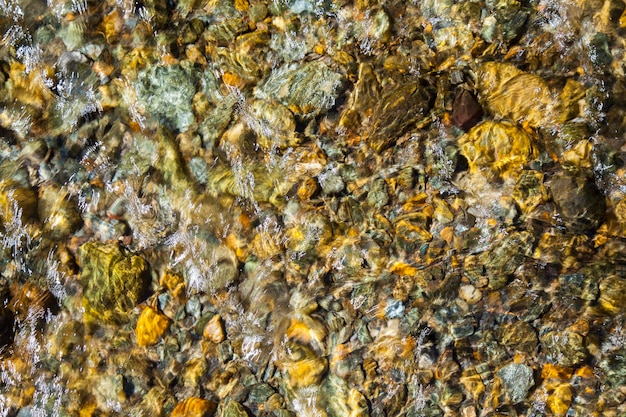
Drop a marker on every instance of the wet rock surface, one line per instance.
(316, 208)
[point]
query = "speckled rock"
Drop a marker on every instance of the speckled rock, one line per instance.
(564, 348)
(517, 379)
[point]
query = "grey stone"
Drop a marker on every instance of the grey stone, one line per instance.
(517, 379)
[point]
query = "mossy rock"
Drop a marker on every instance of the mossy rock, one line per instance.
(114, 281)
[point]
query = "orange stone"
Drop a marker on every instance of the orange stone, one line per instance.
(214, 330)
(556, 371)
(560, 399)
(194, 407)
(151, 326)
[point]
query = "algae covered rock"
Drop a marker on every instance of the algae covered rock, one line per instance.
(114, 281)
(232, 409)
(564, 348)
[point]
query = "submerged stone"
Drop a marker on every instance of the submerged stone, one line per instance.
(233, 409)
(578, 200)
(564, 348)
(114, 281)
(307, 90)
(151, 326)
(166, 92)
(497, 149)
(396, 112)
(194, 407)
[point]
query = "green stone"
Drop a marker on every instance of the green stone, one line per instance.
(517, 379)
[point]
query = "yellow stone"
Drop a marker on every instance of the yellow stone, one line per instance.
(194, 407)
(497, 149)
(307, 330)
(559, 401)
(414, 203)
(30, 88)
(412, 231)
(233, 80)
(306, 372)
(401, 268)
(174, 283)
(266, 245)
(579, 155)
(242, 5)
(508, 92)
(473, 384)
(214, 330)
(556, 371)
(307, 189)
(151, 326)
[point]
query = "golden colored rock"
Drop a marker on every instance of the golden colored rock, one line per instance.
(556, 371)
(579, 156)
(194, 407)
(497, 149)
(17, 200)
(305, 372)
(612, 294)
(308, 187)
(31, 301)
(560, 399)
(114, 281)
(151, 326)
(307, 331)
(214, 330)
(523, 97)
(401, 268)
(30, 87)
(266, 245)
(174, 283)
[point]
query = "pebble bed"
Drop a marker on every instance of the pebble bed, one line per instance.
(315, 208)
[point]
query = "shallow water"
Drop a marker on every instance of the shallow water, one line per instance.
(312, 208)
